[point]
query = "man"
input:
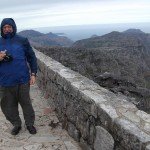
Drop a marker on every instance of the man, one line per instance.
(15, 77)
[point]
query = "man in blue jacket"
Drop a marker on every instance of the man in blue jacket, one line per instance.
(18, 68)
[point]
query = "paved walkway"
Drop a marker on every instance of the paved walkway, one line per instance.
(50, 136)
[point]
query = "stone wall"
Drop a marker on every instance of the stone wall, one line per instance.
(95, 117)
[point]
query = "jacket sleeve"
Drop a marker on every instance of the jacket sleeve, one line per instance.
(30, 56)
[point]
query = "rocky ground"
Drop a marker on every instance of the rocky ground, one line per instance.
(50, 135)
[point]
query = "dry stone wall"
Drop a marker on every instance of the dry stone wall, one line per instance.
(95, 117)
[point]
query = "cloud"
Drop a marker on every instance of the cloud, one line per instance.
(37, 13)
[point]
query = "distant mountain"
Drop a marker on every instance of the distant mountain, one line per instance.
(51, 35)
(141, 36)
(133, 31)
(50, 39)
(60, 34)
(30, 33)
(93, 36)
(128, 38)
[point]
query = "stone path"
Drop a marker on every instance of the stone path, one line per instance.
(50, 136)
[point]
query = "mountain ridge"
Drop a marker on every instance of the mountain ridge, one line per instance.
(114, 38)
(37, 38)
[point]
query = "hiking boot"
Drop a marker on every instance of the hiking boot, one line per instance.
(15, 130)
(31, 129)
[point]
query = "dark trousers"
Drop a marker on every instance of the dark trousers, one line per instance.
(11, 97)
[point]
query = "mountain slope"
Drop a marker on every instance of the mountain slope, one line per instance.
(127, 38)
(40, 39)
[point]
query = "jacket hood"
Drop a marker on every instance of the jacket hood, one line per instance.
(11, 22)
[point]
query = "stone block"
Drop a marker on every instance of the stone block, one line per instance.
(103, 140)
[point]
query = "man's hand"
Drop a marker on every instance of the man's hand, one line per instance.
(2, 55)
(32, 80)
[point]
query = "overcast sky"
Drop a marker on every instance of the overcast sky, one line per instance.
(46, 13)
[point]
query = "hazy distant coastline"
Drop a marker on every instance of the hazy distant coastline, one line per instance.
(78, 32)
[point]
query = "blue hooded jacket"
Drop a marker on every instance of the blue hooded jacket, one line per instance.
(16, 71)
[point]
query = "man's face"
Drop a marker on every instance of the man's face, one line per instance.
(7, 28)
